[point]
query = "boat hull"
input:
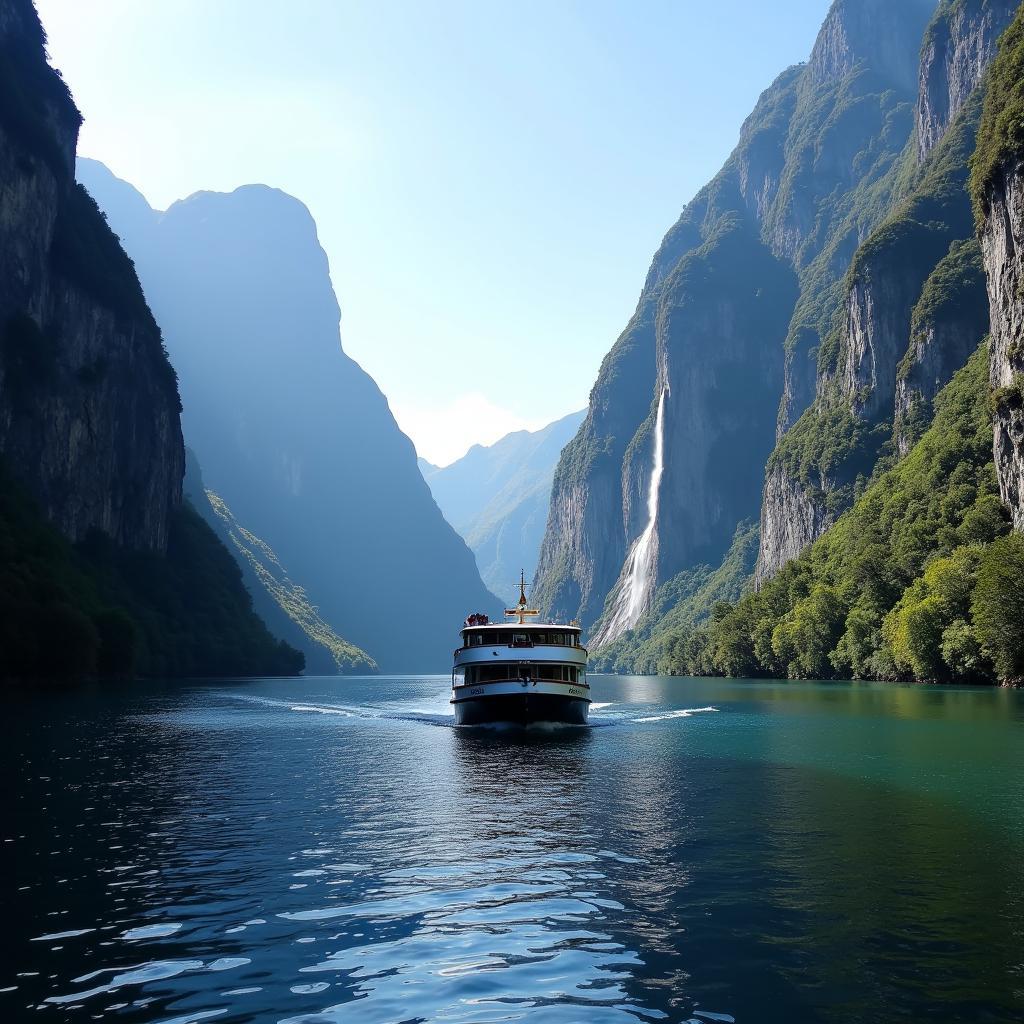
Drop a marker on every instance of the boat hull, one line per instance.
(524, 708)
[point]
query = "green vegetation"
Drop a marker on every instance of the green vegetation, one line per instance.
(831, 447)
(953, 302)
(916, 581)
(289, 597)
(958, 280)
(77, 611)
(1001, 133)
(679, 606)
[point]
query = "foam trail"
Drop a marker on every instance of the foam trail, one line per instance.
(680, 713)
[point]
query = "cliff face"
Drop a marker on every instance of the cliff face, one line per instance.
(997, 188)
(282, 604)
(1003, 248)
(295, 438)
(89, 413)
(948, 322)
(90, 437)
(853, 32)
(958, 47)
(734, 308)
(910, 312)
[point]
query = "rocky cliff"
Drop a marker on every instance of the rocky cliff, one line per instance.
(291, 433)
(89, 413)
(998, 190)
(958, 47)
(733, 312)
(282, 604)
(949, 319)
(104, 570)
(910, 310)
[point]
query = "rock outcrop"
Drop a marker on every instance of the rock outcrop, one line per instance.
(958, 48)
(887, 355)
(859, 32)
(733, 311)
(997, 186)
(1003, 247)
(947, 325)
(89, 411)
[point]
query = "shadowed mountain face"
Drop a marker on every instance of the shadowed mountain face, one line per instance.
(497, 498)
(296, 439)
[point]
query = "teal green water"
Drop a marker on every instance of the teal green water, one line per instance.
(331, 850)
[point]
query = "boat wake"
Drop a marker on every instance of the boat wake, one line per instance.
(603, 714)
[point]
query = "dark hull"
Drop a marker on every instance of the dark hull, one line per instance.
(521, 709)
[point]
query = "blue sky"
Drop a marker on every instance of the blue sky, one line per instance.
(490, 180)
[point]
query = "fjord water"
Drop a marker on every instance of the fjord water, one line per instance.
(333, 850)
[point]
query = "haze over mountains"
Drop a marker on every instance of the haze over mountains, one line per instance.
(290, 433)
(105, 568)
(497, 497)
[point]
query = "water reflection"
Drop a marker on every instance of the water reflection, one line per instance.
(812, 854)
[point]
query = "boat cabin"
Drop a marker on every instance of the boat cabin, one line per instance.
(531, 634)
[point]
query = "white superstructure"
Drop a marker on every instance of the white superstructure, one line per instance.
(520, 671)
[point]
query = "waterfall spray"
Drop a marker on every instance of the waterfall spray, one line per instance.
(637, 578)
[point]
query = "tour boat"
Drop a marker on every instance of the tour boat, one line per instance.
(520, 672)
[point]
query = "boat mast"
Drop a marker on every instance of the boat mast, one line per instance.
(521, 609)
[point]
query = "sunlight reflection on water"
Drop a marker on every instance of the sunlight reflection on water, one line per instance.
(315, 851)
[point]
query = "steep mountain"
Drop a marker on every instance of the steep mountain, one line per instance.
(282, 604)
(911, 304)
(103, 567)
(853, 292)
(737, 301)
(497, 497)
(291, 434)
(920, 579)
(997, 181)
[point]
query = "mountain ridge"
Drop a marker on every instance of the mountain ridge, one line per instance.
(291, 433)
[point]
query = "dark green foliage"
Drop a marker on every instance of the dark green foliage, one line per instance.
(31, 92)
(1001, 134)
(887, 591)
(194, 614)
(679, 607)
(956, 287)
(952, 309)
(831, 445)
(64, 610)
(997, 606)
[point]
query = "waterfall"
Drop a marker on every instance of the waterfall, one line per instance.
(636, 581)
